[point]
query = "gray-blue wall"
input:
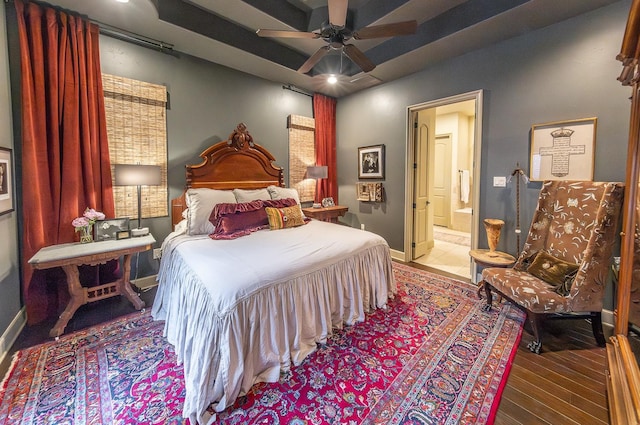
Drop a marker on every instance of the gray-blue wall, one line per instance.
(562, 72)
(206, 102)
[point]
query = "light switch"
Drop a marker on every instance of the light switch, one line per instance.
(499, 181)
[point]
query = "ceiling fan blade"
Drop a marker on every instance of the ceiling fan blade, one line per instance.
(338, 12)
(314, 59)
(286, 34)
(358, 57)
(386, 30)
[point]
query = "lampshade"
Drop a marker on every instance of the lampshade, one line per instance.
(317, 172)
(137, 175)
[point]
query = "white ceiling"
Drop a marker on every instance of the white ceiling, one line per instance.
(223, 31)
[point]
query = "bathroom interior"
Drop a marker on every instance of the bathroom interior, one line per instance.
(454, 177)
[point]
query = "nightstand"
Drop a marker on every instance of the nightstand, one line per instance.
(330, 214)
(71, 255)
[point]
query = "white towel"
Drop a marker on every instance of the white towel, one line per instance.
(464, 186)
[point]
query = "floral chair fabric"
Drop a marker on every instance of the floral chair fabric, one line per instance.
(576, 222)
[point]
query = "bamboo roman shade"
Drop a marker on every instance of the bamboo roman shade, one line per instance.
(137, 131)
(302, 154)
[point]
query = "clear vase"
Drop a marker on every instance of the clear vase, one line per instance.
(86, 234)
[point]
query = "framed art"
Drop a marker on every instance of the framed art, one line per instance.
(370, 192)
(563, 150)
(6, 181)
(371, 162)
(113, 229)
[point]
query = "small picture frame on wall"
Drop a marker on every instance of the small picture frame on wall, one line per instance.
(6, 181)
(563, 150)
(113, 229)
(371, 162)
(370, 192)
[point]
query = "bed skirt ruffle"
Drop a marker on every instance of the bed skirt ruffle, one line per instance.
(224, 355)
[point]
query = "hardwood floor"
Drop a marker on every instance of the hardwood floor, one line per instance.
(565, 384)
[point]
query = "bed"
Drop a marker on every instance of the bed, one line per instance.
(246, 309)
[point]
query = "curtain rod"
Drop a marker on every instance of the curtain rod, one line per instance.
(134, 38)
(119, 33)
(295, 89)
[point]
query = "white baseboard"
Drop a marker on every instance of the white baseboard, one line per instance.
(146, 282)
(11, 333)
(397, 255)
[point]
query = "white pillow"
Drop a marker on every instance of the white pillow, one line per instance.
(200, 203)
(244, 195)
(283, 193)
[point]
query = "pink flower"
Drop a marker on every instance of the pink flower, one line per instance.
(80, 222)
(93, 215)
(88, 218)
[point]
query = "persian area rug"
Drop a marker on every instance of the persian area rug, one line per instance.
(432, 357)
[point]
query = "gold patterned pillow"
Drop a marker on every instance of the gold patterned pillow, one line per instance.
(282, 218)
(556, 272)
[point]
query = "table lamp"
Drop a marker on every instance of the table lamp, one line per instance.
(137, 175)
(317, 172)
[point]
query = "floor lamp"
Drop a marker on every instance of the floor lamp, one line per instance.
(137, 175)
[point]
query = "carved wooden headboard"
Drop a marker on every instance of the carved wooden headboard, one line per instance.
(235, 163)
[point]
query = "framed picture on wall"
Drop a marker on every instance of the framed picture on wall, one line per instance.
(371, 162)
(6, 181)
(563, 150)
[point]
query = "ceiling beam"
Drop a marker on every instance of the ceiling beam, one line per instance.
(451, 21)
(202, 22)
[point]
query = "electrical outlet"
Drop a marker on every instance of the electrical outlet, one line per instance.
(362, 226)
(157, 253)
(499, 181)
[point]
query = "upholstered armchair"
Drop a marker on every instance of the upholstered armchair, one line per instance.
(565, 261)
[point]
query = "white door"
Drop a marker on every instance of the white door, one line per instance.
(441, 199)
(422, 237)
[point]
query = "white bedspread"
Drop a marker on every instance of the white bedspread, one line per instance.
(241, 311)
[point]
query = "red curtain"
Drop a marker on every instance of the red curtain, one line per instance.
(65, 156)
(324, 112)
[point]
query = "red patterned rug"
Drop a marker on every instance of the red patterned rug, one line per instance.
(432, 357)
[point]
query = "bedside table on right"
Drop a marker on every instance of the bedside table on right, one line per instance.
(329, 214)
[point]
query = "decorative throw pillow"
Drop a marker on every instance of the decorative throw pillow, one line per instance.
(282, 218)
(556, 272)
(234, 220)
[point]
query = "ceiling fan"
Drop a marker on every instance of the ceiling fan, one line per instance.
(335, 33)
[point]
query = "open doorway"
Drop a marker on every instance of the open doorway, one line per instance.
(443, 148)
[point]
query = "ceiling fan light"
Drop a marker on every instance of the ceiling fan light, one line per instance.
(332, 79)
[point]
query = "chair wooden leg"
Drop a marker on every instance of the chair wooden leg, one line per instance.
(596, 326)
(487, 293)
(534, 321)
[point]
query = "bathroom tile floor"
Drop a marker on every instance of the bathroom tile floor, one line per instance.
(447, 256)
